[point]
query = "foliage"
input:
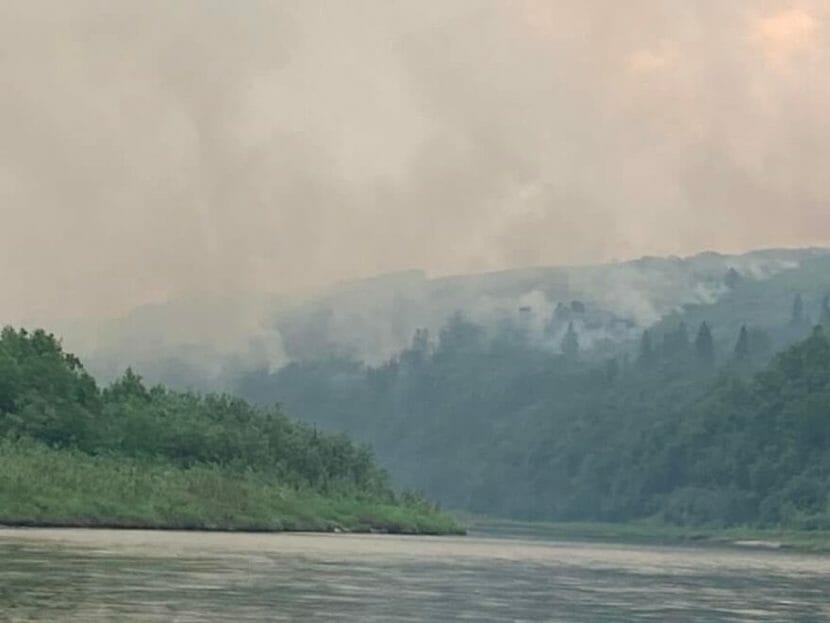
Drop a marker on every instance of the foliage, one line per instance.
(42, 486)
(133, 436)
(494, 425)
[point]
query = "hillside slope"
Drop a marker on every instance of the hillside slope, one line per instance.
(204, 343)
(499, 427)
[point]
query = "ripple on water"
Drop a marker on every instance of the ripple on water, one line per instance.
(102, 575)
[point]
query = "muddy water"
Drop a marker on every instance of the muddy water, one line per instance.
(102, 575)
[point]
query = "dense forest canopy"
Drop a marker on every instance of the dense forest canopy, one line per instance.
(716, 414)
(686, 424)
(45, 394)
(61, 437)
(203, 342)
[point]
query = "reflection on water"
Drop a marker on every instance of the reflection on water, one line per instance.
(103, 575)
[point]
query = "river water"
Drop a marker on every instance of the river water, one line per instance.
(108, 575)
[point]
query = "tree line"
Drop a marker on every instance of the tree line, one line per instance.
(46, 395)
(678, 426)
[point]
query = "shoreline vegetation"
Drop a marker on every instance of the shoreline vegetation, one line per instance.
(73, 454)
(680, 430)
(128, 456)
(44, 487)
(651, 533)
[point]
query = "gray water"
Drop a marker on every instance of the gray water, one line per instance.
(104, 575)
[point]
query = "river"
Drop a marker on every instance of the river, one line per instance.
(109, 575)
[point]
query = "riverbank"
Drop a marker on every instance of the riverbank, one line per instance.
(43, 487)
(652, 533)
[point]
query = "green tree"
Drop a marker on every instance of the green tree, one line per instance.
(705, 345)
(742, 346)
(570, 343)
(733, 279)
(646, 356)
(460, 337)
(797, 316)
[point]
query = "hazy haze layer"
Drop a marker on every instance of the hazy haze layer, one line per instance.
(153, 149)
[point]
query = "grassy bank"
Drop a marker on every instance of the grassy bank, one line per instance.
(652, 533)
(40, 486)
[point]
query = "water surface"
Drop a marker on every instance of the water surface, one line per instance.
(109, 575)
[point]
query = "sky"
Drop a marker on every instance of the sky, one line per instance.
(153, 150)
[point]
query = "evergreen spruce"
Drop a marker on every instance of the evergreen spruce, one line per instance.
(797, 317)
(570, 343)
(742, 345)
(705, 345)
(646, 357)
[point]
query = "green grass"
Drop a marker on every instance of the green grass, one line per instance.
(40, 486)
(647, 532)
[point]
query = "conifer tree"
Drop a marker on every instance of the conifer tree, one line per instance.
(704, 345)
(645, 358)
(570, 343)
(797, 317)
(732, 279)
(742, 345)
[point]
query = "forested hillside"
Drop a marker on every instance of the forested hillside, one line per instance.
(205, 342)
(71, 453)
(679, 426)
(526, 403)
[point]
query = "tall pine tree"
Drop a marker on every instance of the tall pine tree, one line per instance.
(570, 343)
(742, 345)
(705, 345)
(646, 356)
(797, 317)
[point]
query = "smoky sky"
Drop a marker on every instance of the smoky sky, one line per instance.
(151, 150)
